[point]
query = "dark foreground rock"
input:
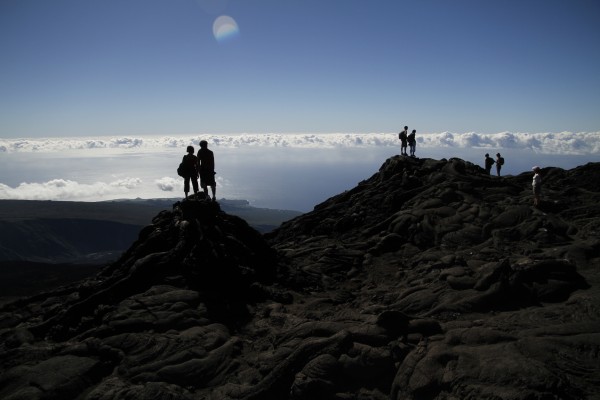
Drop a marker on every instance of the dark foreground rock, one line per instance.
(429, 280)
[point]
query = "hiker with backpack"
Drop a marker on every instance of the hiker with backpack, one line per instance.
(188, 170)
(403, 136)
(499, 163)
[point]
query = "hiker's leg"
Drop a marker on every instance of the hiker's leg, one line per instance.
(195, 185)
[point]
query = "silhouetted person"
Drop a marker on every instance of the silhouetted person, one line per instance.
(489, 161)
(191, 172)
(499, 163)
(403, 136)
(206, 161)
(412, 142)
(536, 185)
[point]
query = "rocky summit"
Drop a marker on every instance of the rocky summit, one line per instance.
(429, 280)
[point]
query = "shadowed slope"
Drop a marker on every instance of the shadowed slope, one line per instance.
(429, 280)
(429, 242)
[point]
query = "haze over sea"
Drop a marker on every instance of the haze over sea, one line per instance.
(282, 171)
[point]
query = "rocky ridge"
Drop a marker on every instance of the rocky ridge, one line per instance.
(429, 280)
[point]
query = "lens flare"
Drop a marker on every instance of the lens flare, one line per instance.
(225, 28)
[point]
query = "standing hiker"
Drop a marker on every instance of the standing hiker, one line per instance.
(499, 163)
(403, 136)
(189, 171)
(536, 185)
(412, 142)
(489, 161)
(206, 161)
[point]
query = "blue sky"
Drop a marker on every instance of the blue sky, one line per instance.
(127, 67)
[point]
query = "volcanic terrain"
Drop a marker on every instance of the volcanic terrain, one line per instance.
(429, 280)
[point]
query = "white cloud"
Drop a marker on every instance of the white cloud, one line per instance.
(580, 143)
(127, 183)
(64, 189)
(168, 184)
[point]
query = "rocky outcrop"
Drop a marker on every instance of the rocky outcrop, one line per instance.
(429, 280)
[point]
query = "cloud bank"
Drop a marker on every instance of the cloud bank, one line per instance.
(569, 143)
(64, 189)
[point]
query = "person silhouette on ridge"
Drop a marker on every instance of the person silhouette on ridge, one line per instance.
(489, 161)
(499, 163)
(412, 142)
(206, 163)
(190, 163)
(403, 136)
(536, 185)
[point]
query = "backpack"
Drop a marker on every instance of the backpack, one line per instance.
(501, 161)
(185, 169)
(181, 170)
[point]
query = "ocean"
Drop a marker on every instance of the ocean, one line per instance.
(293, 172)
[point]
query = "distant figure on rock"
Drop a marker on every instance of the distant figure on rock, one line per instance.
(489, 161)
(499, 163)
(190, 171)
(412, 142)
(537, 186)
(403, 136)
(206, 162)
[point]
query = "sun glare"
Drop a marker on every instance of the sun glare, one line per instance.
(225, 28)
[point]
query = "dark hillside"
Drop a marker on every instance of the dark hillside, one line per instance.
(429, 280)
(126, 213)
(65, 240)
(23, 278)
(98, 232)
(69, 232)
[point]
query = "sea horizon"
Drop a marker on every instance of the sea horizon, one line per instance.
(293, 171)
